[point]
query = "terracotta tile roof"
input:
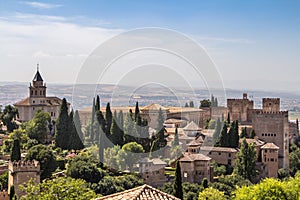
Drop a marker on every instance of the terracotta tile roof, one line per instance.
(195, 143)
(144, 192)
(173, 121)
(257, 142)
(49, 101)
(218, 149)
(269, 146)
(189, 157)
(154, 106)
(192, 126)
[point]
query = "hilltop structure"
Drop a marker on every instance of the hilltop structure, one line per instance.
(38, 100)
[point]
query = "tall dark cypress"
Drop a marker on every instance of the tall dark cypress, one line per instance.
(175, 141)
(108, 118)
(16, 151)
(224, 139)
(228, 118)
(114, 130)
(92, 130)
(97, 106)
(136, 111)
(62, 127)
(78, 125)
(178, 191)
(161, 130)
(217, 132)
(74, 139)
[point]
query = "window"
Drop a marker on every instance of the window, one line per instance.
(40, 92)
(35, 92)
(219, 153)
(274, 134)
(44, 92)
(31, 92)
(272, 159)
(33, 101)
(263, 134)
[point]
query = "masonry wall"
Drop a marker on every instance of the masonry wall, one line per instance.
(274, 127)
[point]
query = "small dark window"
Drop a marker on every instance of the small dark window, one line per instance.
(274, 134)
(35, 92)
(40, 92)
(219, 153)
(272, 159)
(229, 155)
(263, 134)
(44, 92)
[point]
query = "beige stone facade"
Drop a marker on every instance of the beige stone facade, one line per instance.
(221, 155)
(153, 171)
(195, 167)
(269, 156)
(273, 127)
(239, 109)
(38, 100)
(21, 172)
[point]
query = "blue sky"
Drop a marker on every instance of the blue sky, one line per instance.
(255, 44)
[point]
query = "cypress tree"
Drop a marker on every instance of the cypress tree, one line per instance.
(62, 127)
(92, 130)
(16, 151)
(130, 132)
(74, 139)
(234, 135)
(252, 134)
(78, 125)
(244, 132)
(217, 132)
(205, 183)
(136, 111)
(108, 118)
(228, 118)
(178, 192)
(224, 139)
(186, 105)
(114, 130)
(175, 141)
(161, 130)
(12, 193)
(216, 102)
(97, 106)
(212, 100)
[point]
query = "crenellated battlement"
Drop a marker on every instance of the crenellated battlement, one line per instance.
(24, 166)
(264, 112)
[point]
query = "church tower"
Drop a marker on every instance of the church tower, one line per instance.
(37, 88)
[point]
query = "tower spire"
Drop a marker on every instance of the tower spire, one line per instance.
(38, 66)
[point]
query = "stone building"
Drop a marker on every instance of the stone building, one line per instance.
(273, 127)
(195, 167)
(271, 104)
(240, 109)
(38, 100)
(153, 171)
(221, 155)
(21, 172)
(269, 156)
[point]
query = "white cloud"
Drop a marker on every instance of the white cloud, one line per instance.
(40, 5)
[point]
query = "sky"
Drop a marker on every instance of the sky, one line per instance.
(254, 44)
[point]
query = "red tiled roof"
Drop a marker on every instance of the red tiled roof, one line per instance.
(49, 101)
(144, 192)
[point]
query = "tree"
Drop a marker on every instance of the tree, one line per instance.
(186, 105)
(62, 127)
(37, 127)
(224, 139)
(211, 194)
(191, 104)
(12, 194)
(245, 162)
(244, 133)
(160, 130)
(175, 141)
(114, 130)
(228, 118)
(130, 132)
(83, 167)
(44, 155)
(111, 157)
(8, 117)
(234, 134)
(217, 132)
(97, 106)
(205, 183)
(16, 151)
(108, 118)
(78, 126)
(75, 141)
(132, 153)
(136, 111)
(205, 103)
(59, 188)
(178, 192)
(252, 134)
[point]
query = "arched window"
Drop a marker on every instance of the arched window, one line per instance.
(35, 92)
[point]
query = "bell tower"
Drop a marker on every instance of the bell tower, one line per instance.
(37, 88)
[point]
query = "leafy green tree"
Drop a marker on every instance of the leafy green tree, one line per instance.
(245, 162)
(282, 173)
(37, 127)
(132, 154)
(8, 117)
(205, 103)
(111, 157)
(45, 156)
(83, 167)
(4, 181)
(19, 134)
(63, 127)
(16, 151)
(178, 192)
(211, 194)
(294, 158)
(205, 183)
(61, 188)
